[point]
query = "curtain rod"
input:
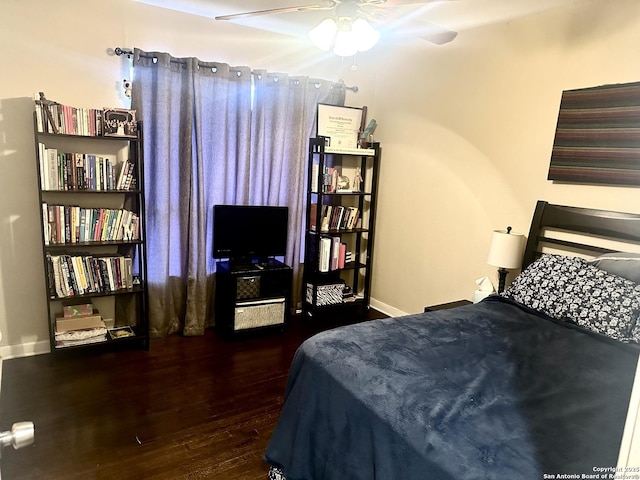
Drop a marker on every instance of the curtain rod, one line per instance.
(123, 51)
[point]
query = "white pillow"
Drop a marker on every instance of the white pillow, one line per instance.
(625, 265)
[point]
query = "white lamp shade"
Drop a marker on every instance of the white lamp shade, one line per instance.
(506, 249)
(322, 35)
(366, 35)
(345, 45)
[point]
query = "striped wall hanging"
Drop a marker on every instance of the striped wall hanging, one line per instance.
(597, 137)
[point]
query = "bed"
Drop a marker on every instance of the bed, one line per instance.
(534, 383)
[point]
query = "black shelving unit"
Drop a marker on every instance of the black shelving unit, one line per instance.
(252, 297)
(125, 300)
(345, 280)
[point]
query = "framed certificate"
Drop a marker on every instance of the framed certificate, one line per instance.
(340, 124)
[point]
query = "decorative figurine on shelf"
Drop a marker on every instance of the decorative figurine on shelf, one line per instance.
(357, 180)
(343, 182)
(46, 104)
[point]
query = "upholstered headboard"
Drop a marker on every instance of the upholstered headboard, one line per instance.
(592, 225)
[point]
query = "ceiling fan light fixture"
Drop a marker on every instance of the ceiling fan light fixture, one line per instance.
(366, 36)
(346, 36)
(345, 43)
(323, 34)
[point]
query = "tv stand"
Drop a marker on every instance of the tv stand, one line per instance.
(252, 296)
(248, 264)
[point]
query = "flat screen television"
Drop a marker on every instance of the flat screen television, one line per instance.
(249, 232)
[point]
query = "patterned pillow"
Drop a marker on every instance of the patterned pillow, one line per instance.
(570, 289)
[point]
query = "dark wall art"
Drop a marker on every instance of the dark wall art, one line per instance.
(597, 137)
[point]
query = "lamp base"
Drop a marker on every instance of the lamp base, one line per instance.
(502, 279)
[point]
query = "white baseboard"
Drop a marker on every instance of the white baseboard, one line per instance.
(386, 309)
(24, 349)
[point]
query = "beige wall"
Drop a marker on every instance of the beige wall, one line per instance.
(61, 48)
(466, 128)
(467, 131)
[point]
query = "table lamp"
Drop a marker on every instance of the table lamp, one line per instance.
(505, 253)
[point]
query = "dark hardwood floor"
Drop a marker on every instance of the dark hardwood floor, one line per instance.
(189, 408)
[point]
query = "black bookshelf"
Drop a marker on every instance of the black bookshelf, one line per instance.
(341, 187)
(93, 220)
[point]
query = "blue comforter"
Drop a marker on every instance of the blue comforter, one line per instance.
(487, 391)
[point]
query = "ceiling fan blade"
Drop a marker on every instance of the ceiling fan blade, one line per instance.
(375, 15)
(407, 26)
(393, 3)
(438, 35)
(302, 8)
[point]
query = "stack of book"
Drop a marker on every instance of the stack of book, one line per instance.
(68, 120)
(79, 324)
(74, 224)
(334, 217)
(83, 171)
(332, 255)
(71, 275)
(59, 119)
(330, 179)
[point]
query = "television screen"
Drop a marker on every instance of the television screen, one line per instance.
(249, 232)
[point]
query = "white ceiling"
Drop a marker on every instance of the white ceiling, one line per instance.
(414, 20)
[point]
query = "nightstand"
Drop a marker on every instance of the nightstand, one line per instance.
(446, 306)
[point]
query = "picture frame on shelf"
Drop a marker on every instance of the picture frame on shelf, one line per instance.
(340, 124)
(120, 332)
(119, 122)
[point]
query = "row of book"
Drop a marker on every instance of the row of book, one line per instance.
(333, 254)
(68, 224)
(53, 117)
(334, 217)
(83, 171)
(68, 120)
(329, 181)
(71, 275)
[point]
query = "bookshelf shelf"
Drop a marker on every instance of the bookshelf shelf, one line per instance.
(339, 232)
(91, 193)
(84, 137)
(340, 226)
(65, 246)
(345, 194)
(124, 291)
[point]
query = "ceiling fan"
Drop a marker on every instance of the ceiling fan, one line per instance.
(353, 18)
